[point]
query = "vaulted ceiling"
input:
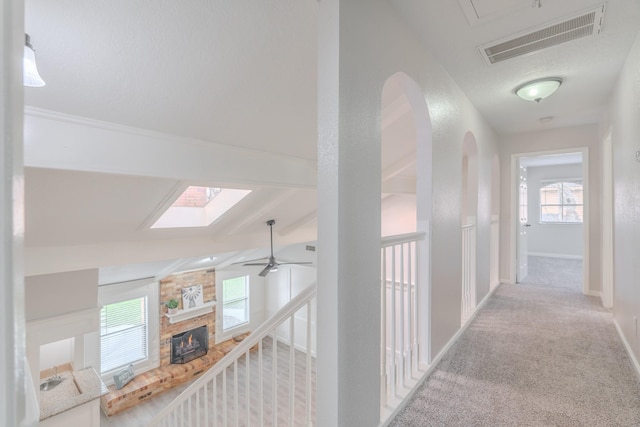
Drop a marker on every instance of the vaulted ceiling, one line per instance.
(212, 88)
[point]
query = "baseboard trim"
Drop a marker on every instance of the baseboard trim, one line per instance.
(563, 256)
(627, 347)
(434, 362)
(464, 327)
(390, 416)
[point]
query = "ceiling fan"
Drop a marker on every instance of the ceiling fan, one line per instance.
(271, 264)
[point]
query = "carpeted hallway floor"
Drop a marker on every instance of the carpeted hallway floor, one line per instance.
(560, 272)
(535, 355)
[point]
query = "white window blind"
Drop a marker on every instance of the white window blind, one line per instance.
(235, 302)
(123, 333)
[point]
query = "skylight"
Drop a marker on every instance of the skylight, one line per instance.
(199, 207)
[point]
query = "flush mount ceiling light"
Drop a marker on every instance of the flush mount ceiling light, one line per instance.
(31, 77)
(537, 90)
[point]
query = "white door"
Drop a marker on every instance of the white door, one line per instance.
(523, 225)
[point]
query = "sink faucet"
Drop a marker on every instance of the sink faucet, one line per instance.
(55, 374)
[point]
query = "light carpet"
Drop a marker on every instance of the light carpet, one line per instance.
(560, 272)
(535, 355)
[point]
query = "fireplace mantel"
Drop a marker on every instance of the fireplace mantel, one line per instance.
(190, 313)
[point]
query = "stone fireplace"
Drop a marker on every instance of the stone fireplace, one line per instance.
(171, 288)
(189, 345)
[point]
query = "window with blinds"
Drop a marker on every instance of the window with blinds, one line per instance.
(123, 333)
(235, 302)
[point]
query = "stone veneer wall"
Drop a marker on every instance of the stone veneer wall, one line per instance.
(171, 288)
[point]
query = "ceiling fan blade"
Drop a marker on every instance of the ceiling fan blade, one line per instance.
(295, 263)
(266, 270)
(256, 263)
(250, 260)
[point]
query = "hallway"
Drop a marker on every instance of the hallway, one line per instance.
(535, 355)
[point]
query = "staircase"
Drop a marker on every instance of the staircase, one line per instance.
(267, 380)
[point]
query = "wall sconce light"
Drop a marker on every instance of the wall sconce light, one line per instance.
(537, 90)
(31, 77)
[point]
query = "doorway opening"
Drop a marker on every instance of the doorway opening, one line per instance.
(552, 221)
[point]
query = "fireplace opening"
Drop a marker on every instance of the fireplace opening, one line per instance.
(189, 345)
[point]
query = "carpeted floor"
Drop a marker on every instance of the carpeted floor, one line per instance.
(535, 355)
(554, 271)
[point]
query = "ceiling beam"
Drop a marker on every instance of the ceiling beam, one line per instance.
(59, 141)
(400, 185)
(301, 222)
(398, 167)
(56, 259)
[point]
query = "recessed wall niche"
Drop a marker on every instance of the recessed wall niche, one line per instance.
(57, 353)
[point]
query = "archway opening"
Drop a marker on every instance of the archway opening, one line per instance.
(494, 254)
(405, 224)
(469, 215)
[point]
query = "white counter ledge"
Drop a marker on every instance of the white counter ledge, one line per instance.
(77, 388)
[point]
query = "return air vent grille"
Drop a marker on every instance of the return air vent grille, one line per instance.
(586, 24)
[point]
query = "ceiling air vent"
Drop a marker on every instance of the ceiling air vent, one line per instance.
(586, 24)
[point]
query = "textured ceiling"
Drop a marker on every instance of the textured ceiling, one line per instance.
(589, 66)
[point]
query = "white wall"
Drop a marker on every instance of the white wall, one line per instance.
(549, 140)
(351, 77)
(62, 307)
(398, 215)
(283, 285)
(624, 112)
(57, 353)
(51, 295)
(561, 240)
(452, 116)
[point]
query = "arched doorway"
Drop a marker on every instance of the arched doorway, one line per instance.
(494, 255)
(405, 226)
(469, 215)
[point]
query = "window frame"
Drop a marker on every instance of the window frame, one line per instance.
(225, 334)
(114, 293)
(562, 181)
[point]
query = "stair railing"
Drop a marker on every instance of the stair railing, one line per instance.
(220, 397)
(468, 303)
(400, 317)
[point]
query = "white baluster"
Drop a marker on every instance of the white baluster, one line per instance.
(308, 379)
(393, 322)
(236, 400)
(261, 387)
(274, 377)
(247, 389)
(292, 367)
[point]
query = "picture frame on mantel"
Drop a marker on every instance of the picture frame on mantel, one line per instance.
(192, 297)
